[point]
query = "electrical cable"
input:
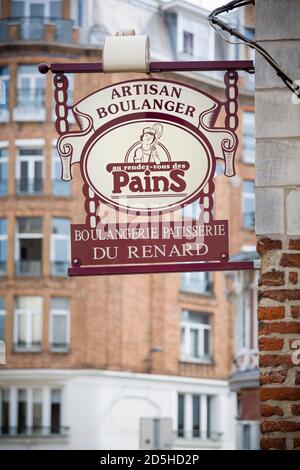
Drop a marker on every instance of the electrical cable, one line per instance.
(216, 22)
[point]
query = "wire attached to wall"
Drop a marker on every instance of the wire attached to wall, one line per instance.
(220, 26)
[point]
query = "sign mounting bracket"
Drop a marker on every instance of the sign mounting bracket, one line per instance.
(152, 269)
(154, 67)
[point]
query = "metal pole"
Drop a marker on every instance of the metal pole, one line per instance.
(154, 67)
(166, 268)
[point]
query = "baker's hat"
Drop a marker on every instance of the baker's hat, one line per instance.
(149, 130)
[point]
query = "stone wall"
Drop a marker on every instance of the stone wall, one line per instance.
(278, 224)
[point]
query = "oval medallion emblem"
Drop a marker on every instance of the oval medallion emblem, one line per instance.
(148, 165)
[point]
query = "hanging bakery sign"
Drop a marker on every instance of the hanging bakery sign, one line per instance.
(147, 152)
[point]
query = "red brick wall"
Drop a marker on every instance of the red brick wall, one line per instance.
(279, 328)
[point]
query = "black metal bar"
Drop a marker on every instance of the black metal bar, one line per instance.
(166, 268)
(154, 67)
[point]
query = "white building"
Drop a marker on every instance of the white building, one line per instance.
(103, 409)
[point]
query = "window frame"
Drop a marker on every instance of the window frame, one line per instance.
(188, 36)
(33, 402)
(60, 312)
(45, 429)
(53, 389)
(199, 28)
(46, 3)
(250, 196)
(2, 390)
(186, 342)
(33, 77)
(253, 427)
(3, 314)
(30, 160)
(54, 238)
(4, 104)
(247, 135)
(187, 283)
(246, 297)
(204, 418)
(26, 409)
(3, 239)
(28, 346)
(4, 161)
(27, 236)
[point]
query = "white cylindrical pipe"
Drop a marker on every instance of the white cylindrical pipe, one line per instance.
(126, 53)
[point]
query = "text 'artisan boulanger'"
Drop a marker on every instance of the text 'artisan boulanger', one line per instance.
(159, 98)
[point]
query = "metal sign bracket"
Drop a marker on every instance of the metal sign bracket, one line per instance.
(62, 126)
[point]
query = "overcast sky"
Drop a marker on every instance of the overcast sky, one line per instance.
(208, 4)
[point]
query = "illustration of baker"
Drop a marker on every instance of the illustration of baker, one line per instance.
(147, 151)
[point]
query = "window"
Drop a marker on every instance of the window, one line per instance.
(18, 9)
(60, 246)
(59, 187)
(195, 336)
(28, 323)
(248, 138)
(80, 13)
(28, 255)
(55, 9)
(4, 410)
(30, 87)
(2, 318)
(51, 9)
(180, 415)
(196, 282)
(3, 246)
(37, 10)
(188, 42)
(246, 308)
(55, 410)
(32, 15)
(30, 94)
(4, 102)
(3, 170)
(244, 323)
(195, 38)
(29, 172)
(248, 435)
(194, 417)
(37, 405)
(31, 411)
(248, 204)
(59, 323)
(22, 411)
